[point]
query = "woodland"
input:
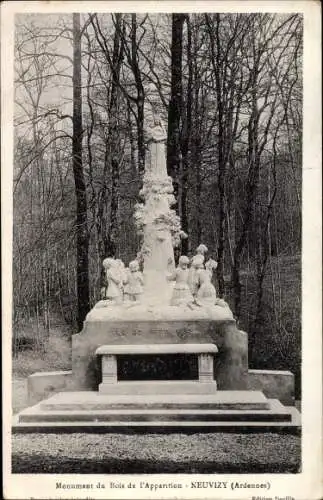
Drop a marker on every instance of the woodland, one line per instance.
(229, 88)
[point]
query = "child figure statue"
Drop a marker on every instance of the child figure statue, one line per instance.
(202, 250)
(210, 266)
(206, 294)
(114, 280)
(123, 275)
(134, 284)
(197, 265)
(181, 293)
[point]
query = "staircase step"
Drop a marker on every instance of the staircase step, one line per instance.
(89, 411)
(36, 413)
(93, 401)
(143, 387)
(187, 427)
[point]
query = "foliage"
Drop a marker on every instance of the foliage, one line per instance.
(34, 349)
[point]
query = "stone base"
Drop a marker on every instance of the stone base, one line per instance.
(231, 361)
(158, 387)
(86, 411)
(274, 384)
(220, 400)
(41, 385)
(292, 427)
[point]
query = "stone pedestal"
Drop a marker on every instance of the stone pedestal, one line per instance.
(231, 362)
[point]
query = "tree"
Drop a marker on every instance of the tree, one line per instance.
(82, 233)
(174, 156)
(261, 103)
(42, 187)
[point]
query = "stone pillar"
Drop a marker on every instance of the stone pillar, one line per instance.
(205, 362)
(109, 369)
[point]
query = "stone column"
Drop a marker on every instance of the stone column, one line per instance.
(109, 369)
(205, 362)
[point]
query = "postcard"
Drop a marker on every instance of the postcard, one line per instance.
(161, 250)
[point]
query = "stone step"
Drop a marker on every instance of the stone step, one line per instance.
(276, 412)
(162, 416)
(187, 427)
(143, 387)
(93, 401)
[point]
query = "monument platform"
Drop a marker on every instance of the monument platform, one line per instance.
(90, 411)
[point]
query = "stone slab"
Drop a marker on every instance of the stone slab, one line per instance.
(231, 362)
(104, 311)
(158, 387)
(274, 384)
(156, 349)
(91, 400)
(276, 412)
(41, 385)
(184, 427)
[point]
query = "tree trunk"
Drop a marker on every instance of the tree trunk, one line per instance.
(140, 96)
(218, 72)
(186, 139)
(175, 104)
(221, 162)
(110, 242)
(82, 234)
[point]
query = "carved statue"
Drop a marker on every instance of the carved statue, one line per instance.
(123, 274)
(156, 133)
(156, 222)
(134, 283)
(206, 294)
(151, 283)
(197, 265)
(202, 250)
(210, 266)
(114, 279)
(181, 292)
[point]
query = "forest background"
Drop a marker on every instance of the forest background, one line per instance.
(229, 88)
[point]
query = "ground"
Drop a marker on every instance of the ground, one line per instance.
(156, 453)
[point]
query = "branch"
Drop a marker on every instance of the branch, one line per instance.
(23, 170)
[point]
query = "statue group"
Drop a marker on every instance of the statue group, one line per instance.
(192, 279)
(122, 283)
(152, 279)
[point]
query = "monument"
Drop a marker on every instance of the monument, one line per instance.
(153, 311)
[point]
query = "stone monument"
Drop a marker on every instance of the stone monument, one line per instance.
(156, 312)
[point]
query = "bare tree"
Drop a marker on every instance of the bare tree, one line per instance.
(82, 233)
(174, 156)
